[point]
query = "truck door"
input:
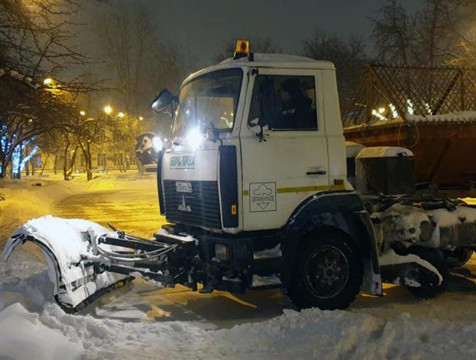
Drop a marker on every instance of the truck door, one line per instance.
(290, 162)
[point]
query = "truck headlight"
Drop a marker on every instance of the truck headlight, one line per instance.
(222, 252)
(157, 144)
(194, 138)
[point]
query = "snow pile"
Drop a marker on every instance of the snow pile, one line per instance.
(32, 326)
(24, 280)
(308, 334)
(24, 336)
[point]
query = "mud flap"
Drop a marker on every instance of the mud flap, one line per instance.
(65, 243)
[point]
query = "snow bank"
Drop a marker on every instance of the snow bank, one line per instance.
(41, 330)
(308, 334)
(24, 336)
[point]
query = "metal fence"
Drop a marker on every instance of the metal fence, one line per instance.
(395, 92)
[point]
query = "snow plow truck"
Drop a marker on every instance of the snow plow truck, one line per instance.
(260, 190)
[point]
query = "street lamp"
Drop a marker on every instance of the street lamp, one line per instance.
(108, 109)
(121, 115)
(141, 118)
(82, 113)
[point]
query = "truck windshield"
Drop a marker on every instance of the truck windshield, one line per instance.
(209, 101)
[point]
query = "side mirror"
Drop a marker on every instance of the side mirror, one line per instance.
(253, 123)
(163, 101)
(259, 128)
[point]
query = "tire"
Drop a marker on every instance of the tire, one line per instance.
(328, 271)
(457, 258)
(435, 258)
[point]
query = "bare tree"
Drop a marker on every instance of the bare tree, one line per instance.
(90, 131)
(440, 32)
(124, 138)
(38, 35)
(348, 55)
(140, 61)
(455, 34)
(35, 38)
(394, 34)
(70, 151)
(28, 110)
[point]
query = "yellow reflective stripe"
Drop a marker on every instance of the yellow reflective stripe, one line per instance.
(304, 189)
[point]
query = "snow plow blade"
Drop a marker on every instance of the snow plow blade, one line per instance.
(66, 243)
(85, 260)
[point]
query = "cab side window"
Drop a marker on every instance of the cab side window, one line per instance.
(287, 102)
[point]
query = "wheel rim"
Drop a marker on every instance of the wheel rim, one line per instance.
(327, 272)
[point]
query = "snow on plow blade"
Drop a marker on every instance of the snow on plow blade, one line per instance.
(65, 243)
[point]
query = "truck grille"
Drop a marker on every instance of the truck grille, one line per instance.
(201, 207)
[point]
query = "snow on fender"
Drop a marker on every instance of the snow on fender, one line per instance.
(392, 258)
(65, 242)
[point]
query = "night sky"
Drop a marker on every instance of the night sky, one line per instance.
(202, 26)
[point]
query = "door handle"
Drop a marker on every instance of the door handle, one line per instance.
(318, 172)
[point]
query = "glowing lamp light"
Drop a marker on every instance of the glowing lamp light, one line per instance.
(394, 111)
(108, 109)
(378, 115)
(121, 115)
(194, 139)
(157, 144)
(48, 81)
(410, 107)
(381, 110)
(82, 113)
(141, 118)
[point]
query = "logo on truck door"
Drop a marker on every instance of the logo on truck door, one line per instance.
(262, 196)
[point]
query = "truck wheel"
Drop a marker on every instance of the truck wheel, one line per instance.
(435, 258)
(457, 258)
(328, 273)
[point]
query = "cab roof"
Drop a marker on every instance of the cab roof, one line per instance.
(281, 61)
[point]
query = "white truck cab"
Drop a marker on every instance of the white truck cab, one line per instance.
(292, 160)
(258, 162)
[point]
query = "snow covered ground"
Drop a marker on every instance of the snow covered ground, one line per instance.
(139, 321)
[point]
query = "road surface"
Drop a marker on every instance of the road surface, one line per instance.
(135, 210)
